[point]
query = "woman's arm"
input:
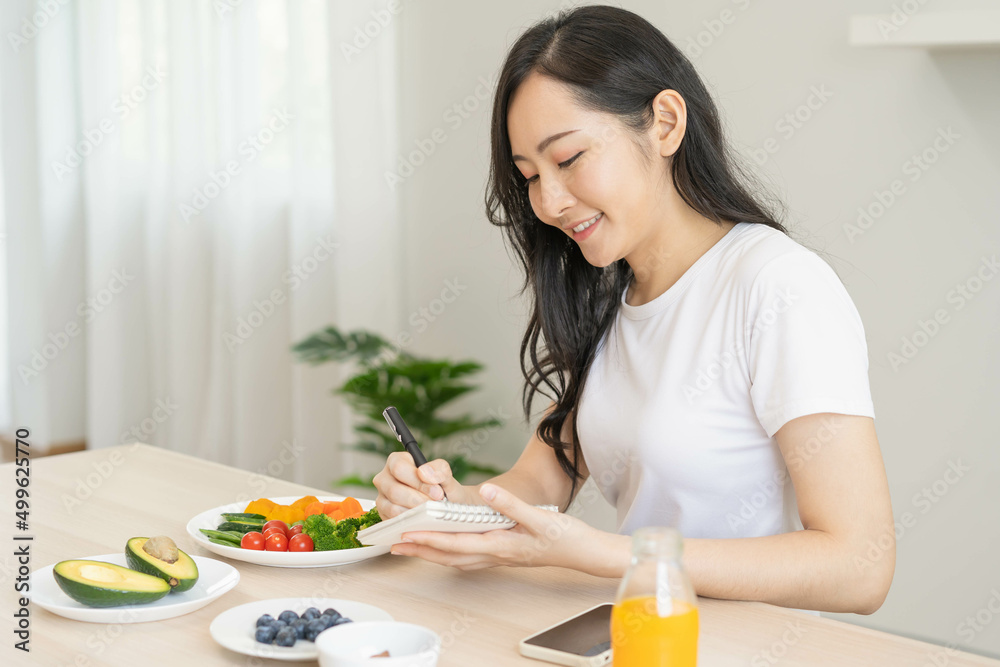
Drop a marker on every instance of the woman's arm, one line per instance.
(843, 561)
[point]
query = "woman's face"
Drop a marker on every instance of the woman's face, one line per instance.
(592, 172)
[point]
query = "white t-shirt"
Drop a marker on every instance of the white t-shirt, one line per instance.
(686, 392)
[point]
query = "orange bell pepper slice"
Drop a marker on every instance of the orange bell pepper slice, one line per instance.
(304, 502)
(260, 506)
(286, 513)
(277, 513)
(314, 508)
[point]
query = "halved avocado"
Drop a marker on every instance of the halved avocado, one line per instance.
(98, 584)
(181, 575)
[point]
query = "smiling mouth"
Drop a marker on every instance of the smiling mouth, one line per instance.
(583, 225)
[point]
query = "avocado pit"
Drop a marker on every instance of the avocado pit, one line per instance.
(162, 548)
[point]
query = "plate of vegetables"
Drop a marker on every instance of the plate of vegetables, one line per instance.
(289, 531)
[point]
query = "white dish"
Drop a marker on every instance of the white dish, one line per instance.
(408, 645)
(212, 518)
(215, 578)
(235, 628)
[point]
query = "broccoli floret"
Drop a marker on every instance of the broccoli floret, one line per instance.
(325, 534)
(369, 518)
(328, 535)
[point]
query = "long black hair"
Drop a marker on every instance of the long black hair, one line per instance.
(615, 62)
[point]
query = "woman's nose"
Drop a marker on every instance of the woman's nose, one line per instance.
(555, 197)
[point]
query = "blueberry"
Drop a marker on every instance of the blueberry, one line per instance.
(266, 619)
(299, 625)
(342, 620)
(330, 611)
(314, 628)
(311, 613)
(265, 634)
(327, 621)
(277, 625)
(286, 637)
(287, 616)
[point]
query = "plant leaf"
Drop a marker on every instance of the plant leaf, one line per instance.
(330, 345)
(354, 480)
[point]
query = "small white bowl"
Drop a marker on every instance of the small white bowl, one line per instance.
(354, 644)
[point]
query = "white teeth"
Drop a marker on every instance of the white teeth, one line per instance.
(583, 225)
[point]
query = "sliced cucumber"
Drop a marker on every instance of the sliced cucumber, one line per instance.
(233, 537)
(246, 518)
(240, 527)
(223, 543)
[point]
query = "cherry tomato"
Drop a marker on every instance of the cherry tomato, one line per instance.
(300, 542)
(276, 542)
(294, 530)
(277, 523)
(274, 530)
(253, 541)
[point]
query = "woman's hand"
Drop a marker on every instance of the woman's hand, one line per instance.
(401, 485)
(541, 537)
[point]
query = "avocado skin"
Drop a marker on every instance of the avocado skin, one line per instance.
(94, 594)
(181, 576)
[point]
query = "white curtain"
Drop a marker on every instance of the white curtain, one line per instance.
(189, 187)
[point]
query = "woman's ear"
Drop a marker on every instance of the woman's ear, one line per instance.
(669, 122)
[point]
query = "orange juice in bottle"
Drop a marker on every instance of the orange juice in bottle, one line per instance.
(654, 622)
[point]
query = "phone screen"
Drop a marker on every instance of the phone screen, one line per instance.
(588, 634)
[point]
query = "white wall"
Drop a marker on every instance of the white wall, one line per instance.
(886, 105)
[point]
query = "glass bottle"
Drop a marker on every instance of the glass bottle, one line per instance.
(654, 622)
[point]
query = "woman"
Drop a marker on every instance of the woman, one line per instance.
(697, 358)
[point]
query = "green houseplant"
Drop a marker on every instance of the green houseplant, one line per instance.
(418, 387)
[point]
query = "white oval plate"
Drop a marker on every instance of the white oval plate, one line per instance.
(212, 518)
(215, 578)
(235, 628)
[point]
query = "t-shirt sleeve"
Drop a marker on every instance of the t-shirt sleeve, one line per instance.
(806, 344)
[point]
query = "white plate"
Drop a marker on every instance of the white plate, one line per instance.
(236, 627)
(212, 518)
(214, 579)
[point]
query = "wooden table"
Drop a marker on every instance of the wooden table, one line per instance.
(90, 503)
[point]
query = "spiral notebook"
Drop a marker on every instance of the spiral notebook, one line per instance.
(441, 516)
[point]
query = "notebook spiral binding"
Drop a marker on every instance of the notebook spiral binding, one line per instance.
(470, 514)
(449, 511)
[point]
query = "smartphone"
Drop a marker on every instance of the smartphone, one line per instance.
(583, 640)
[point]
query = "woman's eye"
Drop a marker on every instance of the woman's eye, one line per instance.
(563, 164)
(571, 160)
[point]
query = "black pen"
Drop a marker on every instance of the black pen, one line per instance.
(402, 433)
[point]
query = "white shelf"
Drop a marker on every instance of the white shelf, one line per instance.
(930, 30)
